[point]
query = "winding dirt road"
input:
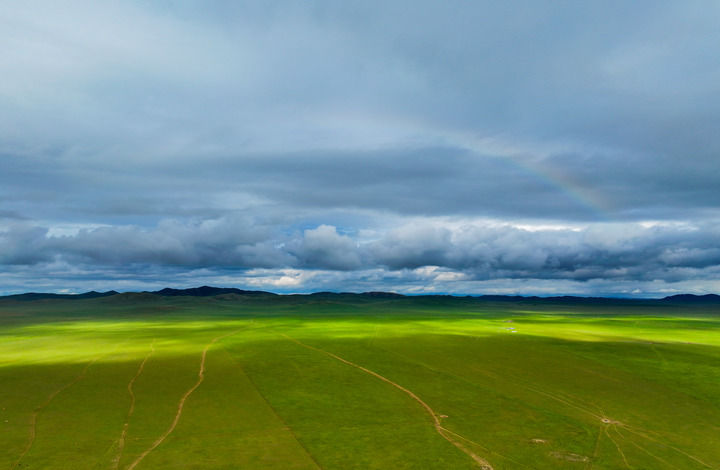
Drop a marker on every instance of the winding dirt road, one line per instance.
(446, 434)
(181, 403)
(121, 441)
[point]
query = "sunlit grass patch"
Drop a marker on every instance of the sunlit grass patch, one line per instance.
(534, 388)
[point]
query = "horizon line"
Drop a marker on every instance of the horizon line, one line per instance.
(179, 292)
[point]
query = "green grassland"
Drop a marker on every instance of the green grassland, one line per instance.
(146, 382)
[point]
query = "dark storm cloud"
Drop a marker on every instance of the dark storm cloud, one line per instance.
(593, 96)
(598, 252)
(427, 180)
(237, 135)
(478, 252)
(242, 242)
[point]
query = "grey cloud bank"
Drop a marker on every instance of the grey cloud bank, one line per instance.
(470, 147)
(440, 252)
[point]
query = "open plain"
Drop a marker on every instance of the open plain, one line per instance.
(339, 381)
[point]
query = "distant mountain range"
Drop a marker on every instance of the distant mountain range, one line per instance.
(207, 291)
(691, 298)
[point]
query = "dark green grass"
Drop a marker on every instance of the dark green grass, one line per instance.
(522, 385)
(344, 416)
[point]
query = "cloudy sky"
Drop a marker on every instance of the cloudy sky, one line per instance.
(416, 146)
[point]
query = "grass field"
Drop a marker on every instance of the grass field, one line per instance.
(143, 382)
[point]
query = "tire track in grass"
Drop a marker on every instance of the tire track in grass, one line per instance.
(680, 451)
(181, 403)
(121, 441)
(647, 451)
(627, 464)
(446, 434)
(461, 379)
(565, 402)
(597, 447)
(644, 434)
(504, 457)
(43, 405)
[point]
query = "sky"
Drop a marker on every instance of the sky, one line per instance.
(464, 147)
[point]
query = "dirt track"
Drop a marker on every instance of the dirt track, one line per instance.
(43, 405)
(121, 441)
(446, 434)
(181, 403)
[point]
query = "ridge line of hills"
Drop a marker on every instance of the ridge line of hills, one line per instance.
(207, 291)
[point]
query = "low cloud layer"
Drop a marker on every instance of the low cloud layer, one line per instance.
(244, 252)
